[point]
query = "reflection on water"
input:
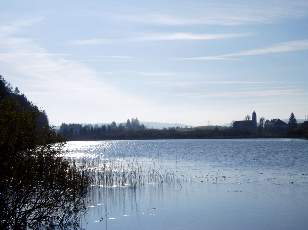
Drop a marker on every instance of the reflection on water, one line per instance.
(195, 184)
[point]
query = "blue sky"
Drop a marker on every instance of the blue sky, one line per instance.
(190, 62)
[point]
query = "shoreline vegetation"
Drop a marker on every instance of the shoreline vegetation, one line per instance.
(134, 130)
(38, 188)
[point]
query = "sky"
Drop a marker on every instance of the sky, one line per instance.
(193, 62)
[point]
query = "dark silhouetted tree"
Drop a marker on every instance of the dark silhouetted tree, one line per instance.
(128, 124)
(261, 126)
(37, 187)
(292, 122)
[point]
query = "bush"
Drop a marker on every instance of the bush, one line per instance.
(38, 188)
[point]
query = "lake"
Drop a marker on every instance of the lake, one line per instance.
(195, 184)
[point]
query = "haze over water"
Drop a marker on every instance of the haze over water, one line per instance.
(215, 184)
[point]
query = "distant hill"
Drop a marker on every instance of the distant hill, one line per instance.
(162, 125)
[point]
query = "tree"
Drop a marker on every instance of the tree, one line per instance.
(37, 187)
(292, 122)
(113, 126)
(16, 91)
(128, 124)
(261, 123)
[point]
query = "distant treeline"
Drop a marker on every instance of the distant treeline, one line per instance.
(134, 130)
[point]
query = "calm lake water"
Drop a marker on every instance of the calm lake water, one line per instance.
(197, 184)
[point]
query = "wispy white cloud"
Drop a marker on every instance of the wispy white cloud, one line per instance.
(152, 37)
(202, 83)
(91, 41)
(244, 94)
(284, 47)
(107, 58)
(140, 73)
(156, 74)
(210, 19)
(187, 36)
(227, 14)
(15, 26)
(59, 83)
(7, 55)
(229, 88)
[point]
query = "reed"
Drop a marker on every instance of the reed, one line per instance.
(124, 172)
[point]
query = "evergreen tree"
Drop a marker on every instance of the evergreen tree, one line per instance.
(292, 122)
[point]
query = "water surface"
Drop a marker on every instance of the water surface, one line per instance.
(198, 184)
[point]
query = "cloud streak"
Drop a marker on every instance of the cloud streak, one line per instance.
(59, 83)
(18, 25)
(108, 58)
(247, 94)
(156, 37)
(226, 14)
(284, 47)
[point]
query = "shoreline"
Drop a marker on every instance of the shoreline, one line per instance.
(218, 138)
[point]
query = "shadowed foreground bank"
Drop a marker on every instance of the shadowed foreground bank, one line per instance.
(38, 189)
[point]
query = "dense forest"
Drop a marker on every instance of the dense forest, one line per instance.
(38, 188)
